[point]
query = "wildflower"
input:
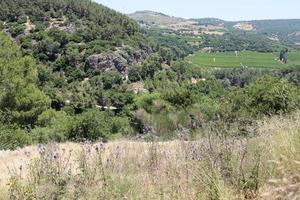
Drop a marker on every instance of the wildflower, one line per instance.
(27, 153)
(41, 148)
(56, 155)
(100, 147)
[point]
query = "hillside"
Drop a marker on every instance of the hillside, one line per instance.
(269, 33)
(74, 41)
(151, 19)
(155, 18)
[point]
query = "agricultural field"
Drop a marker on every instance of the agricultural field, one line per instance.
(243, 59)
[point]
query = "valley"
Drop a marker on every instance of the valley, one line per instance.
(99, 104)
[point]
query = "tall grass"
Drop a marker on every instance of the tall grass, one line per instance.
(264, 166)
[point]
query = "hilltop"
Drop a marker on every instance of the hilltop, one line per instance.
(155, 18)
(284, 30)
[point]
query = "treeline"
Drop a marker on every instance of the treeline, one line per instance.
(179, 44)
(238, 41)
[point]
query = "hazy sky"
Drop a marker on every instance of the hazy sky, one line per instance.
(224, 9)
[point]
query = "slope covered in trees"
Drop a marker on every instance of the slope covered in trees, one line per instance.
(75, 70)
(73, 40)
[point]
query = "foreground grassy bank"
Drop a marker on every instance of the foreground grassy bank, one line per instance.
(264, 166)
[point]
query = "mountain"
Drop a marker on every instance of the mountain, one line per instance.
(151, 19)
(284, 31)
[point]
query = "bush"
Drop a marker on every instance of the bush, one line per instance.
(270, 95)
(52, 126)
(47, 134)
(12, 138)
(134, 74)
(121, 126)
(211, 88)
(92, 125)
(178, 97)
(16, 30)
(1, 25)
(146, 101)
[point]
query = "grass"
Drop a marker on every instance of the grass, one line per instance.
(244, 59)
(262, 167)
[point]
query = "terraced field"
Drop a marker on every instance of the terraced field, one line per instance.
(244, 59)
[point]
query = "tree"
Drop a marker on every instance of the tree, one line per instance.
(282, 55)
(21, 101)
(91, 125)
(135, 72)
(270, 95)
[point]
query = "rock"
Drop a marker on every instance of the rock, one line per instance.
(105, 62)
(137, 87)
(71, 28)
(145, 48)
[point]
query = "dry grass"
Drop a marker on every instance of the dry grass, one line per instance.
(284, 151)
(263, 167)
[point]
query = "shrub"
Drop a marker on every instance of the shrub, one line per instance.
(121, 126)
(178, 97)
(134, 74)
(52, 126)
(146, 101)
(270, 95)
(211, 88)
(12, 137)
(92, 125)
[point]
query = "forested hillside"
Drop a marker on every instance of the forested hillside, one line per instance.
(220, 35)
(82, 56)
(76, 70)
(72, 42)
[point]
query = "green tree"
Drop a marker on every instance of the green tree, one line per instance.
(92, 125)
(21, 100)
(282, 55)
(270, 95)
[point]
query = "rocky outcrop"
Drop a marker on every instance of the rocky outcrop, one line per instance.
(119, 60)
(105, 62)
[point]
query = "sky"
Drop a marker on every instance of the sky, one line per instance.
(231, 10)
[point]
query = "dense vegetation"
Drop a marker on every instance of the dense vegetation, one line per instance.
(181, 46)
(63, 35)
(238, 42)
(173, 103)
(75, 70)
(285, 29)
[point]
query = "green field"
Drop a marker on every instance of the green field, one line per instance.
(244, 59)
